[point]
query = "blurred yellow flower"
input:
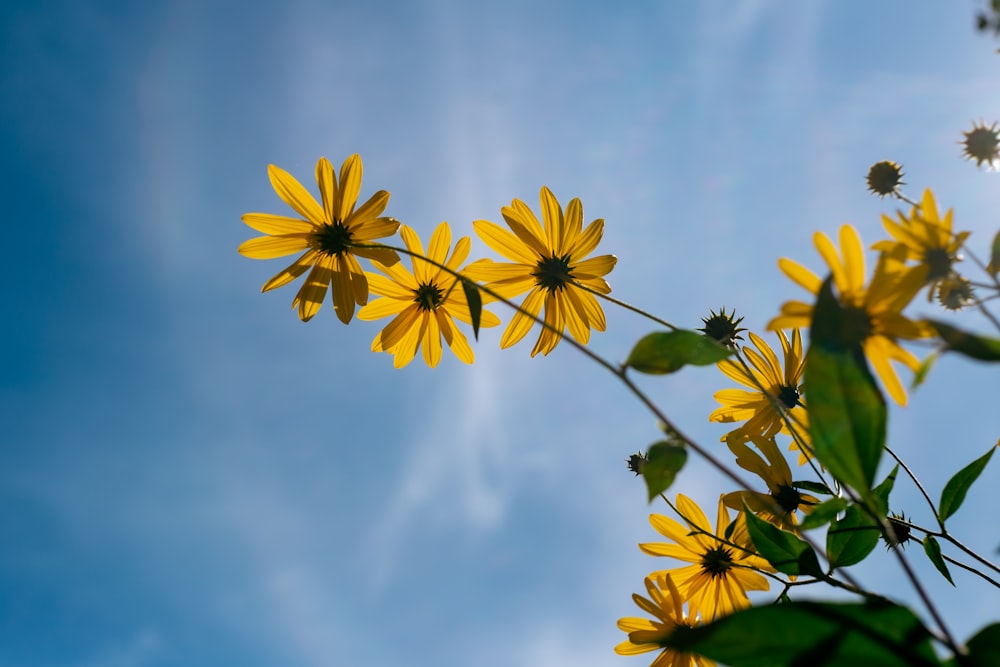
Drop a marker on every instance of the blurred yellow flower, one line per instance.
(874, 313)
(665, 605)
(782, 500)
(926, 238)
(722, 569)
(775, 390)
(328, 233)
(424, 302)
(548, 263)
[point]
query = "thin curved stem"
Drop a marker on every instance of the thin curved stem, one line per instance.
(626, 306)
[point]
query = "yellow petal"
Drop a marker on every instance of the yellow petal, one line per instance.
(521, 323)
(800, 275)
(350, 186)
(313, 290)
(505, 243)
(293, 194)
(269, 247)
(327, 186)
(300, 266)
(277, 224)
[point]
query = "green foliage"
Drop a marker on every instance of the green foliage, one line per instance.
(933, 551)
(984, 648)
(815, 487)
(851, 538)
(847, 413)
(954, 491)
(994, 265)
(475, 300)
(666, 352)
(663, 461)
(971, 345)
(873, 634)
(786, 552)
(824, 513)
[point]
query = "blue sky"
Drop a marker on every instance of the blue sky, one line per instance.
(191, 476)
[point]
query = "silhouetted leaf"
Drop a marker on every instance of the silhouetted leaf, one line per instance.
(786, 552)
(933, 551)
(813, 634)
(667, 352)
(475, 300)
(954, 491)
(971, 345)
(663, 461)
(847, 414)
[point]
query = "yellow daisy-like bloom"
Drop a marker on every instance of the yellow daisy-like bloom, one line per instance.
(549, 264)
(666, 606)
(721, 570)
(927, 238)
(328, 233)
(782, 499)
(874, 313)
(766, 411)
(423, 302)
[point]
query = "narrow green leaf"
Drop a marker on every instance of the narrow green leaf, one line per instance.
(667, 352)
(815, 487)
(954, 491)
(933, 551)
(994, 266)
(984, 647)
(924, 369)
(847, 413)
(963, 342)
(817, 634)
(475, 300)
(852, 538)
(882, 490)
(663, 461)
(824, 513)
(785, 551)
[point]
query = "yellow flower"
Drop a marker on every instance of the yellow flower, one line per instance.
(873, 312)
(328, 233)
(767, 410)
(548, 263)
(716, 582)
(666, 606)
(926, 238)
(423, 302)
(781, 501)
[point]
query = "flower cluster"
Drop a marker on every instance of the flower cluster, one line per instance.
(549, 261)
(856, 321)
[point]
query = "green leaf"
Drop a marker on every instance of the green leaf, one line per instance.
(815, 487)
(994, 266)
(954, 491)
(817, 634)
(824, 513)
(667, 352)
(923, 370)
(475, 300)
(847, 414)
(971, 345)
(663, 461)
(882, 491)
(984, 647)
(933, 551)
(852, 538)
(786, 552)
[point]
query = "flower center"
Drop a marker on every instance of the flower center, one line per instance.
(787, 498)
(429, 296)
(938, 263)
(717, 561)
(553, 273)
(332, 239)
(789, 396)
